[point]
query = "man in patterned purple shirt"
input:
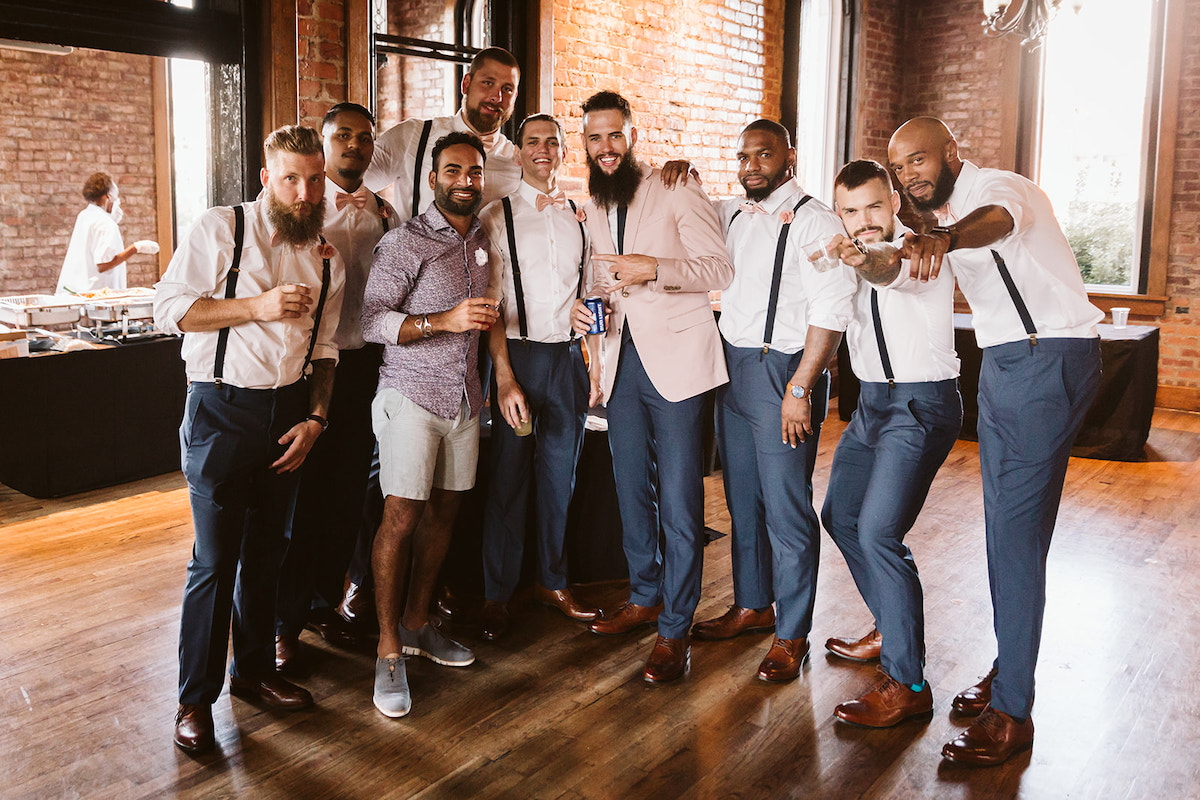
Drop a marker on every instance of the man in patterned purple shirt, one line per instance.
(425, 302)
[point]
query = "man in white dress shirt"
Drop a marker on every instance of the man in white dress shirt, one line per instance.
(781, 322)
(333, 485)
(96, 254)
(901, 342)
(257, 294)
(1040, 373)
(403, 154)
(539, 254)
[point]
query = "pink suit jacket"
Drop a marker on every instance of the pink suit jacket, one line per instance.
(671, 318)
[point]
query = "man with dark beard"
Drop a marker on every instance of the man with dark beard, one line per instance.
(425, 302)
(333, 487)
(402, 154)
(657, 254)
(257, 294)
(1040, 372)
(781, 321)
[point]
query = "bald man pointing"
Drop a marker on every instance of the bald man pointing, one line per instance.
(1040, 372)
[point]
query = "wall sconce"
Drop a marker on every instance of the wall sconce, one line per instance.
(1029, 18)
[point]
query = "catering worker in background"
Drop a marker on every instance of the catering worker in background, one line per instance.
(1040, 373)
(257, 294)
(333, 486)
(540, 395)
(96, 254)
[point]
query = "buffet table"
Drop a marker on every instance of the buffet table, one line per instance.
(70, 422)
(1118, 423)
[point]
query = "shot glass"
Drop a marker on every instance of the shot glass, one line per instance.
(1120, 316)
(826, 261)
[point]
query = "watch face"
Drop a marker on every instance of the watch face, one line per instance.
(798, 392)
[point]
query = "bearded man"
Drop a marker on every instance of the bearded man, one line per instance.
(257, 294)
(656, 255)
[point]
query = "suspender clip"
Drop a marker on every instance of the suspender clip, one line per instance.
(1033, 340)
(891, 383)
(766, 348)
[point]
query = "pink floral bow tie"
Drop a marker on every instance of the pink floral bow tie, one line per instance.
(357, 199)
(753, 208)
(558, 199)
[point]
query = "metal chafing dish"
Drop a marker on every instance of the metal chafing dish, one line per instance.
(32, 310)
(125, 314)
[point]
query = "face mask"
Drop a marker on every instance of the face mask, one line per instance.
(116, 213)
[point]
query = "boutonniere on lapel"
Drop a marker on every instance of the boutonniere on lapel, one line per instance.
(580, 214)
(787, 216)
(384, 212)
(481, 256)
(325, 250)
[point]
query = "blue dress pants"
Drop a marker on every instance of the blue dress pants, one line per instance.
(768, 488)
(555, 384)
(882, 469)
(658, 471)
(1032, 403)
(229, 438)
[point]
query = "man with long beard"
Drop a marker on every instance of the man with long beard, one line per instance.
(781, 322)
(403, 154)
(1040, 373)
(257, 294)
(657, 254)
(425, 302)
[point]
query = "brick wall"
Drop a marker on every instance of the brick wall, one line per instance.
(416, 87)
(879, 79)
(67, 117)
(694, 72)
(321, 51)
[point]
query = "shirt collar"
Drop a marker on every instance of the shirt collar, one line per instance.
(962, 189)
(784, 194)
(437, 220)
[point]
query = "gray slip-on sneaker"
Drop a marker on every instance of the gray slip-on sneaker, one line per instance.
(391, 687)
(429, 642)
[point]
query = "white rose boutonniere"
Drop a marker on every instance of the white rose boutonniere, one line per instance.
(481, 256)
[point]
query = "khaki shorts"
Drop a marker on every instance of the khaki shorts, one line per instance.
(420, 451)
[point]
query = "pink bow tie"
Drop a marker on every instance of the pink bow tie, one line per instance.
(753, 208)
(357, 199)
(557, 199)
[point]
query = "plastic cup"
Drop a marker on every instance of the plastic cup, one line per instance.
(525, 428)
(826, 261)
(1120, 317)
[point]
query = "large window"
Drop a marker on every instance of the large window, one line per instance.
(819, 96)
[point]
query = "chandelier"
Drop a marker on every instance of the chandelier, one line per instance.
(1029, 18)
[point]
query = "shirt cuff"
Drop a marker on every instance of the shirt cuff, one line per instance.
(392, 322)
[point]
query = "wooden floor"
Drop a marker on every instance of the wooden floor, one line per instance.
(89, 605)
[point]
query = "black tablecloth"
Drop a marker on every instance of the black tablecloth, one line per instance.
(70, 422)
(1118, 423)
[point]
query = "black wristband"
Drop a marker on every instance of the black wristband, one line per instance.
(949, 231)
(317, 418)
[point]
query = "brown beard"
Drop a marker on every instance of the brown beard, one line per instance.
(476, 121)
(293, 227)
(618, 189)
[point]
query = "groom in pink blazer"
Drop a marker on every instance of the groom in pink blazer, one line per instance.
(657, 254)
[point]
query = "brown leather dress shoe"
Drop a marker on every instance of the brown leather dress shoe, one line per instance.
(784, 660)
(627, 617)
(863, 650)
(272, 691)
(358, 604)
(194, 728)
(971, 702)
(493, 620)
(992, 739)
(736, 620)
(669, 660)
(888, 704)
(564, 601)
(333, 628)
(287, 649)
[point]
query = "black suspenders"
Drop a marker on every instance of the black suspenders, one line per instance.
(1022, 311)
(777, 275)
(522, 322)
(239, 235)
(379, 204)
(879, 340)
(416, 193)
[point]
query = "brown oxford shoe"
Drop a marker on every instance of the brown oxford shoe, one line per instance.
(287, 650)
(888, 704)
(669, 660)
(971, 702)
(564, 601)
(865, 649)
(493, 620)
(627, 617)
(194, 728)
(735, 621)
(784, 660)
(273, 692)
(993, 738)
(333, 628)
(358, 604)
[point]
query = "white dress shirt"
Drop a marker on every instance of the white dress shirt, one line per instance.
(806, 297)
(260, 355)
(918, 328)
(550, 246)
(354, 232)
(96, 239)
(396, 154)
(1036, 253)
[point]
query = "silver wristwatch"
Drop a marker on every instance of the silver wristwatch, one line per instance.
(798, 392)
(425, 327)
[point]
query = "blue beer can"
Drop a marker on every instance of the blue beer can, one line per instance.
(596, 306)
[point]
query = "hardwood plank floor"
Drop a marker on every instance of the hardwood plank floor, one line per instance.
(89, 604)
